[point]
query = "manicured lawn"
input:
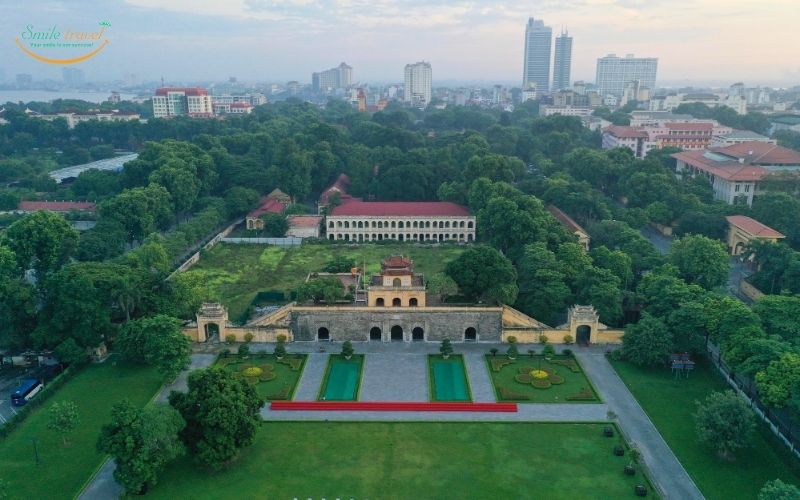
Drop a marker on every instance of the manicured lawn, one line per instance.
(448, 378)
(234, 274)
(394, 460)
(64, 469)
(277, 379)
(670, 404)
(566, 384)
(342, 378)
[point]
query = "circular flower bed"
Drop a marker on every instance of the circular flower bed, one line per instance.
(252, 371)
(539, 374)
(541, 378)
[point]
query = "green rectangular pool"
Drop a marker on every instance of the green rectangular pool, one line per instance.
(448, 378)
(343, 378)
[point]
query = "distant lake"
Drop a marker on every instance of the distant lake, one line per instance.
(46, 96)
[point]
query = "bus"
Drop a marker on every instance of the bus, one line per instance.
(27, 389)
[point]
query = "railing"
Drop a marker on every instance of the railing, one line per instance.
(779, 421)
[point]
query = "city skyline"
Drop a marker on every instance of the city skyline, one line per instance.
(259, 41)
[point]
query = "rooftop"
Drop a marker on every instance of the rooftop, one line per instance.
(193, 91)
(753, 227)
(56, 206)
(565, 219)
(624, 132)
(304, 220)
(741, 162)
(400, 208)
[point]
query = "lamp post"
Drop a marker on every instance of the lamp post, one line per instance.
(35, 450)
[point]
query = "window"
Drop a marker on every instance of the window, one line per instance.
(736, 188)
(396, 282)
(747, 188)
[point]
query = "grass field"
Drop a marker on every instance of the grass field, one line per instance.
(393, 460)
(448, 378)
(64, 469)
(234, 274)
(576, 387)
(286, 376)
(342, 378)
(670, 404)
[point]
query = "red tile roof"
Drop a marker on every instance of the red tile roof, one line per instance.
(194, 91)
(753, 227)
(728, 170)
(565, 219)
(689, 126)
(763, 153)
(56, 206)
(397, 261)
(270, 205)
(304, 220)
(341, 185)
(400, 209)
(623, 132)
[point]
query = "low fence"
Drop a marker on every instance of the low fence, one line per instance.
(192, 259)
(779, 421)
(290, 241)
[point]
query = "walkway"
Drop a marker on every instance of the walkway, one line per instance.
(103, 486)
(478, 374)
(394, 377)
(310, 380)
(665, 468)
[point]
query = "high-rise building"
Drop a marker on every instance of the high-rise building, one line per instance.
(418, 84)
(340, 77)
(614, 72)
(536, 67)
(73, 77)
(172, 101)
(562, 63)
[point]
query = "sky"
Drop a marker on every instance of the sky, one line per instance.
(696, 41)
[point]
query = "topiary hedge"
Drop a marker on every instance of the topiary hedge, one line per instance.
(585, 394)
(509, 395)
(498, 363)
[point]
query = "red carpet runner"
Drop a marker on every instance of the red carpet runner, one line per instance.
(391, 406)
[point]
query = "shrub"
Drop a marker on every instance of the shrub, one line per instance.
(541, 383)
(548, 351)
(585, 394)
(283, 394)
(294, 363)
(567, 352)
(280, 350)
(230, 338)
(252, 371)
(568, 339)
(619, 450)
(543, 339)
(244, 350)
(608, 431)
(531, 352)
(248, 337)
(512, 339)
(446, 349)
(498, 363)
(493, 351)
(347, 349)
(225, 353)
(640, 490)
(282, 338)
(512, 351)
(509, 395)
(569, 363)
(629, 470)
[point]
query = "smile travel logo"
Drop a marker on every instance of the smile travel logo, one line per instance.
(42, 44)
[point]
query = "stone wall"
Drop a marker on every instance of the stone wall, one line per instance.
(355, 323)
(750, 291)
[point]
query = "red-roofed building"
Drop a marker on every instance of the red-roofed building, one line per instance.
(641, 139)
(338, 188)
(572, 226)
(304, 226)
(736, 171)
(275, 202)
(742, 230)
(359, 220)
(56, 206)
(182, 101)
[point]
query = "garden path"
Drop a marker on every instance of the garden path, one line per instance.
(666, 471)
(479, 380)
(394, 377)
(308, 387)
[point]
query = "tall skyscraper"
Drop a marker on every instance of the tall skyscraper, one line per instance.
(72, 76)
(562, 62)
(418, 84)
(340, 77)
(614, 72)
(536, 69)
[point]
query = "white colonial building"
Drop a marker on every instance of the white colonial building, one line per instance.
(357, 220)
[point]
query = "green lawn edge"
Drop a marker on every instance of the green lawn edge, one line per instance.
(431, 384)
(324, 384)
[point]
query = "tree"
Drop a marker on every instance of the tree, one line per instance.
(780, 315)
(482, 273)
(157, 341)
(339, 264)
(275, 225)
(647, 342)
(700, 260)
(542, 292)
(239, 200)
(142, 442)
(69, 352)
(104, 241)
(221, 414)
(42, 241)
(442, 284)
(347, 349)
(446, 348)
(779, 384)
(724, 421)
(63, 418)
(326, 288)
(778, 490)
